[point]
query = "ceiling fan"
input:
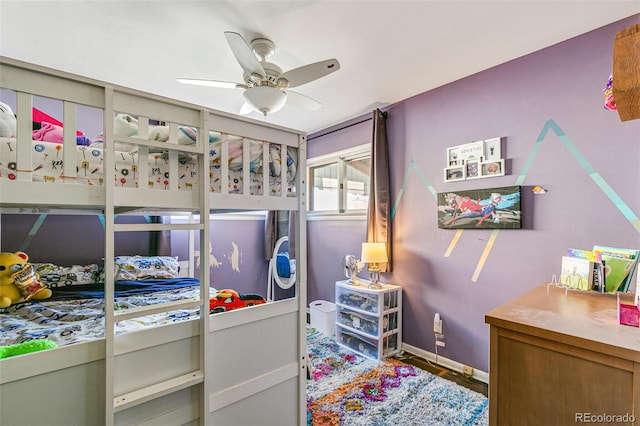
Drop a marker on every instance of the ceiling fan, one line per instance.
(266, 87)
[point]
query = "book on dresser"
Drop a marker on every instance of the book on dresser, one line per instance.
(598, 271)
(577, 273)
(620, 265)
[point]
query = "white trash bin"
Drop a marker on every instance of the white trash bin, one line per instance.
(323, 317)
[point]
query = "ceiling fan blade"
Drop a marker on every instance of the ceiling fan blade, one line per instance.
(244, 54)
(212, 83)
(305, 74)
(302, 101)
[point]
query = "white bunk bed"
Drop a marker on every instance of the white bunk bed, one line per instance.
(243, 367)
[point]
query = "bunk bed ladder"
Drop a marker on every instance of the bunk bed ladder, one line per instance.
(119, 349)
(109, 286)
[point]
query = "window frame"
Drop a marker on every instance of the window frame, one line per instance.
(341, 158)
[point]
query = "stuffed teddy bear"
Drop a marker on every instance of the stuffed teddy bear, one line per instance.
(18, 280)
(7, 121)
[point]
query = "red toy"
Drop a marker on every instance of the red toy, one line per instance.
(228, 300)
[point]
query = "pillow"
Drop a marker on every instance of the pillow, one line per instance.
(37, 117)
(97, 141)
(125, 125)
(60, 276)
(186, 135)
(7, 121)
(235, 151)
(189, 135)
(48, 132)
(159, 133)
(276, 161)
(145, 267)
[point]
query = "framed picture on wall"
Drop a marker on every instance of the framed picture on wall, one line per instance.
(471, 151)
(492, 168)
(454, 173)
(473, 169)
(453, 156)
(492, 149)
(488, 208)
(479, 159)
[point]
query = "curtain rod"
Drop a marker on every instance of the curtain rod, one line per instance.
(341, 128)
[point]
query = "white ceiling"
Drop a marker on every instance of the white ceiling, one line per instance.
(388, 50)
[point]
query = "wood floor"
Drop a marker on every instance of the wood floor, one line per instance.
(443, 372)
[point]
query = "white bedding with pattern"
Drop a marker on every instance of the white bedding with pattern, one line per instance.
(47, 166)
(80, 320)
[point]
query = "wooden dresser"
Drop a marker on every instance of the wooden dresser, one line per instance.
(561, 358)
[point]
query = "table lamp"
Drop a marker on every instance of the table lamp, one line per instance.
(374, 253)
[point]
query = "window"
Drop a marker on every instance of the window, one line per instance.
(339, 182)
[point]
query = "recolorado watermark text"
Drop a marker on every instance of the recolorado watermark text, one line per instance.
(604, 418)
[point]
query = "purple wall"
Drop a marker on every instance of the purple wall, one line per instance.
(238, 259)
(54, 238)
(68, 240)
(327, 246)
(516, 100)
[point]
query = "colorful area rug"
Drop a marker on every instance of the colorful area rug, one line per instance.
(348, 389)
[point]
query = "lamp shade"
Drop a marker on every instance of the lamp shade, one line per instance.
(374, 253)
(265, 99)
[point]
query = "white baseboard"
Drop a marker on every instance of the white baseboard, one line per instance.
(479, 375)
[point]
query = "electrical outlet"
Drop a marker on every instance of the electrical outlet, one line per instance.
(467, 371)
(437, 330)
(437, 324)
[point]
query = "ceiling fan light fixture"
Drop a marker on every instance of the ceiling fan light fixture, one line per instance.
(266, 87)
(264, 99)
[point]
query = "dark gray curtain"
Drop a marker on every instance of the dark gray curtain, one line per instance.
(378, 214)
(279, 223)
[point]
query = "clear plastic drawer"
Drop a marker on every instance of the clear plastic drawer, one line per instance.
(358, 343)
(355, 299)
(357, 321)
